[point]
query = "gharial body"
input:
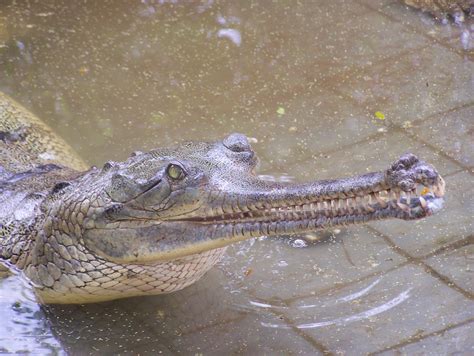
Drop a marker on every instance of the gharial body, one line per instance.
(158, 221)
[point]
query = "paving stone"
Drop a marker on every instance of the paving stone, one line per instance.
(382, 38)
(457, 265)
(376, 4)
(453, 223)
(205, 318)
(272, 269)
(456, 341)
(373, 155)
(249, 337)
(289, 59)
(424, 82)
(403, 303)
(451, 133)
(311, 124)
(421, 22)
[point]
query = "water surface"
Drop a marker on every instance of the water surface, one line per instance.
(304, 80)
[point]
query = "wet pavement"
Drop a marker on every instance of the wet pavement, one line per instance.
(305, 80)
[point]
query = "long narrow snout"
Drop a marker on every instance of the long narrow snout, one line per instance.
(410, 189)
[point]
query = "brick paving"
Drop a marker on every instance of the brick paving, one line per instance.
(427, 96)
(390, 287)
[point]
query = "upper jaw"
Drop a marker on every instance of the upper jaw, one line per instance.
(394, 202)
(409, 189)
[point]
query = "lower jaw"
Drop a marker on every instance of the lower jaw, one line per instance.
(304, 221)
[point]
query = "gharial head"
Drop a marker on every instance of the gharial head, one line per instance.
(153, 205)
(170, 203)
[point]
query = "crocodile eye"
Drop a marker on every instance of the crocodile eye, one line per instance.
(175, 172)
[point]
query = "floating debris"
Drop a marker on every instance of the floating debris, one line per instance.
(83, 70)
(311, 237)
(298, 243)
(281, 111)
(379, 115)
(231, 34)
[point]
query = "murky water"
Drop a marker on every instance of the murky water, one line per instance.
(304, 80)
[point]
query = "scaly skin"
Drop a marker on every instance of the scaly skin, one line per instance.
(158, 221)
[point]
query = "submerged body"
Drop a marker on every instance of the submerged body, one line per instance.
(158, 221)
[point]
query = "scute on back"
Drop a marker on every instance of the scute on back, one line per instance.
(26, 142)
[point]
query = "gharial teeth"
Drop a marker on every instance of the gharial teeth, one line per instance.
(350, 205)
(423, 202)
(371, 198)
(381, 201)
(359, 203)
(340, 205)
(394, 195)
(439, 188)
(326, 208)
(404, 207)
(369, 208)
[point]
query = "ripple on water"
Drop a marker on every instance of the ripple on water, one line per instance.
(323, 303)
(24, 327)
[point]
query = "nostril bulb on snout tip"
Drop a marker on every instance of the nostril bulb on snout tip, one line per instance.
(406, 184)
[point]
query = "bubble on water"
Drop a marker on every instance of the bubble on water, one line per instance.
(299, 243)
(466, 39)
(282, 264)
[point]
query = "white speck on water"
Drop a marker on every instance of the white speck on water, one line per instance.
(282, 264)
(231, 34)
(466, 39)
(221, 20)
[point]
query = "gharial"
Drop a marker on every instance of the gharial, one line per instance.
(158, 221)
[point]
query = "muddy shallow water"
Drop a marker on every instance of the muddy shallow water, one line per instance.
(324, 89)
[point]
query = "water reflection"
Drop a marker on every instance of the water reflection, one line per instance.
(392, 303)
